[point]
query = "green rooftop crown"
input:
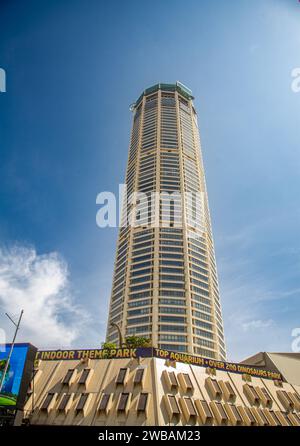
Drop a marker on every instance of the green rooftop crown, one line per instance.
(178, 86)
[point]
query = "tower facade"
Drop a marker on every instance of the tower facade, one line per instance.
(165, 284)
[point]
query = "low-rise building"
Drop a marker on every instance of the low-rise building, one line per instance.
(150, 387)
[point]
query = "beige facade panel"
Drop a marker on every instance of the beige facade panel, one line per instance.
(153, 391)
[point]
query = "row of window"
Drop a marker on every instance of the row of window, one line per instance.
(104, 405)
(224, 414)
(209, 413)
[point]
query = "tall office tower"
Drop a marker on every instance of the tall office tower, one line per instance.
(165, 284)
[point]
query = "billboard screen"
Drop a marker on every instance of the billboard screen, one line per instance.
(18, 375)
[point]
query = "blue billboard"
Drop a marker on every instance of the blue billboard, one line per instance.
(13, 387)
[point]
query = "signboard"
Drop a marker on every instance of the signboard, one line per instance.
(150, 352)
(54, 355)
(216, 364)
(18, 375)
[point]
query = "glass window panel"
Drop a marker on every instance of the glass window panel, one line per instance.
(123, 402)
(142, 404)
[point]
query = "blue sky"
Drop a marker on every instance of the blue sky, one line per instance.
(73, 68)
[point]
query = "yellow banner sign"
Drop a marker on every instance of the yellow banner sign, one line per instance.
(149, 352)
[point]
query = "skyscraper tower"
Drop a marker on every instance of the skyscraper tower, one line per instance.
(165, 284)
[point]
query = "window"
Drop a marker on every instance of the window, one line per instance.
(142, 402)
(47, 401)
(204, 334)
(69, 377)
(172, 285)
(140, 303)
(139, 374)
(64, 402)
(263, 417)
(204, 325)
(172, 310)
(204, 316)
(82, 402)
(173, 405)
(285, 400)
(236, 414)
(227, 390)
(297, 398)
(172, 328)
(265, 397)
(123, 402)
(173, 380)
(138, 312)
(251, 394)
(103, 405)
(84, 376)
(297, 418)
(145, 278)
(213, 387)
(121, 376)
(144, 329)
(190, 407)
(170, 380)
(174, 319)
(167, 270)
(204, 411)
(140, 287)
(274, 418)
(139, 320)
(204, 343)
(219, 413)
(173, 347)
(222, 412)
(179, 302)
(172, 338)
(204, 352)
(140, 295)
(140, 265)
(286, 418)
(141, 272)
(172, 293)
(250, 416)
(185, 381)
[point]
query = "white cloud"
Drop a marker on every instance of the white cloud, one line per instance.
(39, 284)
(257, 324)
